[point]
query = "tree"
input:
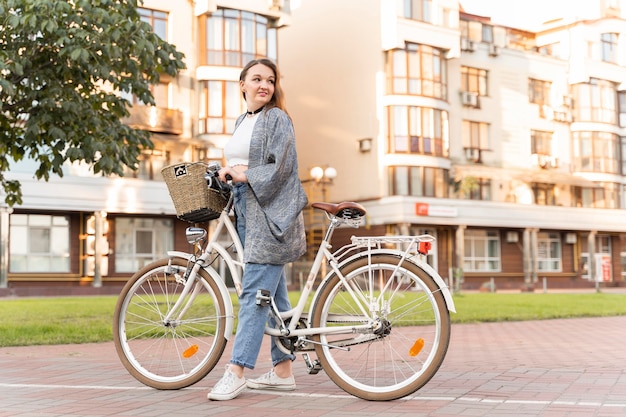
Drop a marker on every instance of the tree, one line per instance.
(63, 64)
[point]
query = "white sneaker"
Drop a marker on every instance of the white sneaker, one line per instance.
(227, 388)
(272, 381)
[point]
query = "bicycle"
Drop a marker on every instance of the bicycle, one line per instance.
(378, 323)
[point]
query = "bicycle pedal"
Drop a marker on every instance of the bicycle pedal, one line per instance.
(312, 367)
(263, 298)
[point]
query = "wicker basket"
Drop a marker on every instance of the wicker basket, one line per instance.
(194, 201)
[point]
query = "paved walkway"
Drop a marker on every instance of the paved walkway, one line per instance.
(573, 367)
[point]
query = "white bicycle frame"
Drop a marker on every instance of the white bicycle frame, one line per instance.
(373, 245)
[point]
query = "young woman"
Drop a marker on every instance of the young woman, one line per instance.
(269, 199)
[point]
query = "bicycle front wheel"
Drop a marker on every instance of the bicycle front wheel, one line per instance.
(404, 328)
(165, 348)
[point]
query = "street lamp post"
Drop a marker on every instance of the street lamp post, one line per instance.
(323, 176)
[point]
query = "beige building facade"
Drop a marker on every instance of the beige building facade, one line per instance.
(506, 144)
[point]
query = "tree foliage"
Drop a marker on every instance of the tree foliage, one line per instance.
(63, 64)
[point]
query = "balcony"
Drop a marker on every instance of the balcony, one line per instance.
(156, 119)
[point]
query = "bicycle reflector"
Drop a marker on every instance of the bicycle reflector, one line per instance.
(423, 247)
(190, 351)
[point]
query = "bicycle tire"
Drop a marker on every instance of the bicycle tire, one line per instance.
(170, 355)
(409, 310)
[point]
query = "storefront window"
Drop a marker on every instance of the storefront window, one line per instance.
(139, 241)
(39, 243)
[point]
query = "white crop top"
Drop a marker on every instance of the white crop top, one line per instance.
(237, 149)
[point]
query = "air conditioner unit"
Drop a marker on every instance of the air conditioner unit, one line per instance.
(467, 45)
(469, 98)
(512, 237)
(472, 154)
(554, 162)
(562, 116)
(570, 238)
(494, 50)
(567, 101)
(540, 160)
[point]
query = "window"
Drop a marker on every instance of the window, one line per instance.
(596, 152)
(474, 80)
(157, 21)
(544, 194)
(475, 135)
(39, 243)
(487, 34)
(623, 154)
(539, 91)
(602, 251)
(234, 38)
(418, 130)
(482, 251)
(622, 108)
(596, 101)
(472, 188)
(139, 241)
(151, 162)
(540, 142)
(608, 42)
(552, 49)
(419, 70)
(418, 10)
(604, 195)
(548, 252)
(220, 105)
(418, 181)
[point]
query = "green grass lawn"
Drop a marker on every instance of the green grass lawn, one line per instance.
(66, 320)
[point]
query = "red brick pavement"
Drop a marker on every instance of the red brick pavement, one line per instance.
(573, 367)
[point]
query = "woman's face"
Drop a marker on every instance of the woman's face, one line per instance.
(258, 86)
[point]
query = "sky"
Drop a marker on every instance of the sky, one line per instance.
(522, 14)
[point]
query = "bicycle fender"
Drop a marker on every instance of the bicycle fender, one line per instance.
(445, 290)
(224, 293)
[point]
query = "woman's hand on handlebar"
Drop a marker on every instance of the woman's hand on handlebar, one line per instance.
(234, 174)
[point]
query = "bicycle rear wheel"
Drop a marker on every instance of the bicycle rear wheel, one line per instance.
(408, 328)
(174, 353)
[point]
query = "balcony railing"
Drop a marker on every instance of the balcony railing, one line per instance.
(156, 119)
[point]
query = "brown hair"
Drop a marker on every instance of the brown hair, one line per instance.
(278, 99)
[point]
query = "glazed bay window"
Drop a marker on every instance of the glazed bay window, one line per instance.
(482, 251)
(418, 181)
(548, 252)
(220, 105)
(604, 195)
(474, 80)
(418, 70)
(596, 101)
(39, 243)
(621, 96)
(234, 38)
(596, 152)
(141, 240)
(418, 130)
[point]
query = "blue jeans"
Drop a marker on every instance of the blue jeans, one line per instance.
(253, 318)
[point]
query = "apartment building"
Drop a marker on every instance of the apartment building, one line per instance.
(506, 144)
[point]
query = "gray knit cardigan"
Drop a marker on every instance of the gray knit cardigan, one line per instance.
(275, 198)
